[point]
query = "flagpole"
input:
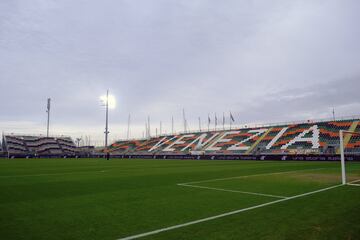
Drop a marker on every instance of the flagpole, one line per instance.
(146, 131)
(199, 124)
(184, 119)
(223, 121)
(128, 128)
(148, 126)
(215, 121)
(208, 122)
(230, 120)
(160, 128)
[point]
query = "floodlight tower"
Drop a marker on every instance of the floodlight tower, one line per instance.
(106, 119)
(109, 102)
(48, 116)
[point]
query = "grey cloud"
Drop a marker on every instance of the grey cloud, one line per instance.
(313, 102)
(160, 56)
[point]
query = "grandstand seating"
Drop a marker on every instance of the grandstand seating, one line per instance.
(353, 145)
(303, 138)
(2, 154)
(32, 146)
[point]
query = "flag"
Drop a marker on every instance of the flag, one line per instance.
(209, 120)
(231, 117)
(215, 120)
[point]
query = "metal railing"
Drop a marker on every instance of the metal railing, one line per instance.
(250, 126)
(35, 135)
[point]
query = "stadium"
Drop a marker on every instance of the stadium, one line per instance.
(88, 169)
(201, 182)
(303, 140)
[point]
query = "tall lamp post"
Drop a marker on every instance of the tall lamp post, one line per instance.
(107, 125)
(107, 120)
(48, 116)
(109, 102)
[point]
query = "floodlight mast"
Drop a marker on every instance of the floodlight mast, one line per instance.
(106, 120)
(48, 116)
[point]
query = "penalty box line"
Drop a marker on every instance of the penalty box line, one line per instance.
(191, 184)
(233, 191)
(354, 183)
(253, 175)
(227, 214)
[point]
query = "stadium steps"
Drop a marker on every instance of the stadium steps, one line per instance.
(258, 141)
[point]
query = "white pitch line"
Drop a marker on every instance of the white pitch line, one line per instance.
(254, 175)
(234, 191)
(225, 214)
(354, 184)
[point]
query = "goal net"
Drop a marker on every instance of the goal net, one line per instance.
(349, 150)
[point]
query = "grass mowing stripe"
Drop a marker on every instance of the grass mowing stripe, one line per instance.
(49, 174)
(354, 184)
(234, 191)
(253, 175)
(226, 214)
(141, 196)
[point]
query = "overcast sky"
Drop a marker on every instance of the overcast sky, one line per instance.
(266, 61)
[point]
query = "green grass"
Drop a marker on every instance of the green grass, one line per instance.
(99, 199)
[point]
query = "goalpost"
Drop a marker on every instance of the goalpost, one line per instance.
(343, 142)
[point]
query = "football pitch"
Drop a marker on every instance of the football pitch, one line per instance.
(177, 199)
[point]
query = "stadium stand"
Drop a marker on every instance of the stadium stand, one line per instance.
(302, 138)
(353, 145)
(2, 153)
(127, 146)
(294, 139)
(38, 146)
(86, 151)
